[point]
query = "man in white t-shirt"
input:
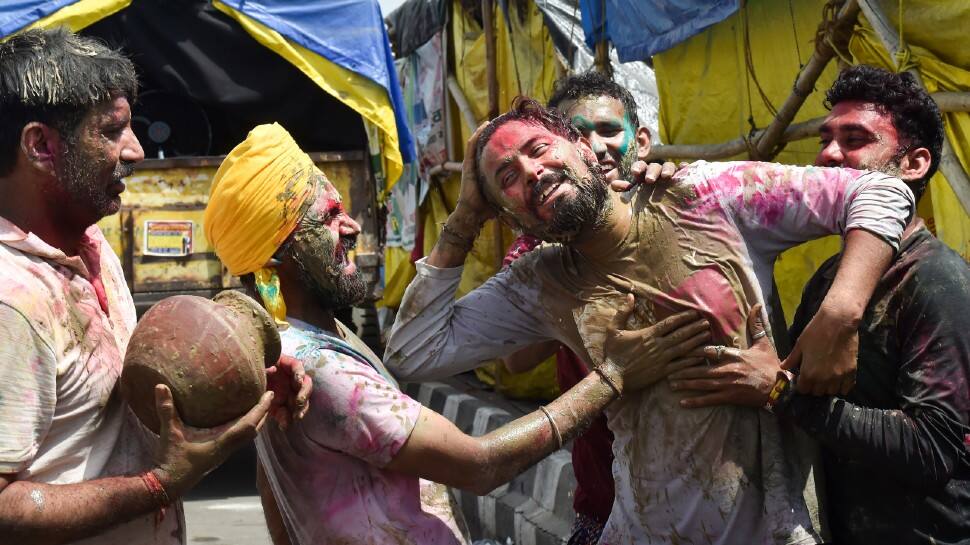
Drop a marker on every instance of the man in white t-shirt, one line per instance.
(704, 241)
(75, 467)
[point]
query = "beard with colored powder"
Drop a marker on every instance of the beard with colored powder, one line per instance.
(320, 262)
(79, 180)
(589, 207)
(626, 162)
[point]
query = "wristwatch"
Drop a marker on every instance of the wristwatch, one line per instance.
(783, 385)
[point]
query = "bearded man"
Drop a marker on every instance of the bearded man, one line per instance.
(75, 466)
(894, 447)
(606, 115)
(704, 242)
(367, 464)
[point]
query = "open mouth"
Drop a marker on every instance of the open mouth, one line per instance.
(545, 189)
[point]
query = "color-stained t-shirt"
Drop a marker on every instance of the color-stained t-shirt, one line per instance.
(592, 451)
(706, 241)
(66, 324)
(326, 472)
(896, 464)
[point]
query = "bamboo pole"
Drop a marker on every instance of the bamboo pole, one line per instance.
(949, 163)
(490, 63)
(448, 167)
(947, 102)
(462, 102)
(767, 143)
(492, 73)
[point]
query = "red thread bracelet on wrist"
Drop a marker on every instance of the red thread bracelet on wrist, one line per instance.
(156, 489)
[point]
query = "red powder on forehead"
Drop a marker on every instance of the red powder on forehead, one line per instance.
(514, 133)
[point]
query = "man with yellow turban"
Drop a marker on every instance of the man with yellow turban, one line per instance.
(354, 469)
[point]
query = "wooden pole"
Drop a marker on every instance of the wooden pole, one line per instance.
(947, 102)
(601, 60)
(490, 63)
(766, 146)
(491, 68)
(462, 102)
(950, 165)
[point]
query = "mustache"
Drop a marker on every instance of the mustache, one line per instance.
(348, 242)
(123, 170)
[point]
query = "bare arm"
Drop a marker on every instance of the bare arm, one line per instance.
(42, 514)
(439, 451)
(46, 514)
(530, 357)
(829, 365)
(271, 509)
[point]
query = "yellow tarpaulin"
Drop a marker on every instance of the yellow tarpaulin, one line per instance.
(715, 85)
(526, 66)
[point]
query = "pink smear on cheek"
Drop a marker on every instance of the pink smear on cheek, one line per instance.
(708, 292)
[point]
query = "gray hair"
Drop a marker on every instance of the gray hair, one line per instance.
(55, 77)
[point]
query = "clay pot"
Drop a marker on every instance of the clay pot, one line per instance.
(211, 354)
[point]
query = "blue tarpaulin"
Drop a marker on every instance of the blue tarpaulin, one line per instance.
(640, 29)
(349, 33)
(16, 14)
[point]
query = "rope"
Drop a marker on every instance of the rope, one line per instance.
(749, 63)
(794, 31)
(903, 56)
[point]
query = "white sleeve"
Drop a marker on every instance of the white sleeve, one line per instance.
(435, 336)
(28, 390)
(779, 206)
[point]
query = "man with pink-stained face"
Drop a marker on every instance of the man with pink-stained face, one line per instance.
(76, 467)
(894, 447)
(369, 464)
(705, 241)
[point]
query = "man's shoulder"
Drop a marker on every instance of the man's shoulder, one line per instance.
(932, 267)
(28, 287)
(317, 348)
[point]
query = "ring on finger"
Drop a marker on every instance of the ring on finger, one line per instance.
(759, 334)
(718, 350)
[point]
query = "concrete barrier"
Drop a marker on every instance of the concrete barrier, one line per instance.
(535, 508)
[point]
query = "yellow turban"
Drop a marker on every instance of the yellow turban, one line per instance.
(256, 198)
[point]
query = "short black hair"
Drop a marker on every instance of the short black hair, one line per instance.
(55, 77)
(527, 110)
(914, 113)
(594, 84)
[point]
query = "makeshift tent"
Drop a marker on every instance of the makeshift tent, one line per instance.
(340, 46)
(535, 43)
(640, 29)
(728, 80)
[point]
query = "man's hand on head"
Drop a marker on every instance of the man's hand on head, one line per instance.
(291, 389)
(472, 206)
(642, 172)
(730, 376)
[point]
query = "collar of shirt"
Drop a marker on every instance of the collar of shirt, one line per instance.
(29, 243)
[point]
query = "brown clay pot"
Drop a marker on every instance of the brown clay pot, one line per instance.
(211, 354)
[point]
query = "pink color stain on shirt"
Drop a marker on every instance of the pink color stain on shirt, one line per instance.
(765, 192)
(708, 292)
